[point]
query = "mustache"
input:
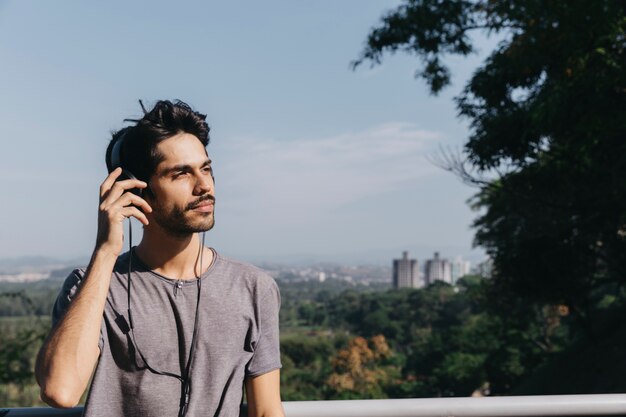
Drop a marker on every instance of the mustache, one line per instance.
(206, 197)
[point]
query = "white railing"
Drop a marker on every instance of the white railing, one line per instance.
(526, 406)
(541, 405)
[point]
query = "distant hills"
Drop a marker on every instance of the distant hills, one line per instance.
(37, 264)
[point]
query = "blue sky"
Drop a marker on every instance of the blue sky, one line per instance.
(314, 161)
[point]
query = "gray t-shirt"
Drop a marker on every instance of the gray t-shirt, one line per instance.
(237, 337)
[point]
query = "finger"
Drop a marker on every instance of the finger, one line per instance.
(128, 199)
(119, 188)
(109, 181)
(131, 211)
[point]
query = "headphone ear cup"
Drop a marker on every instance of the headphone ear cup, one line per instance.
(114, 160)
(127, 175)
(115, 157)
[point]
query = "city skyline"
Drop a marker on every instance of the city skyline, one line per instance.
(409, 272)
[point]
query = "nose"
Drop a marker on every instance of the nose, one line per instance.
(204, 184)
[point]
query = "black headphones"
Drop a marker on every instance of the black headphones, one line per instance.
(114, 160)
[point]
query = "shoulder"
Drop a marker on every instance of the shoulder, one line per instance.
(66, 294)
(73, 281)
(241, 267)
(252, 276)
(75, 278)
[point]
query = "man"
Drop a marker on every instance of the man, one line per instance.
(170, 327)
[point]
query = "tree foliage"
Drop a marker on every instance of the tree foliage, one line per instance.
(363, 369)
(436, 341)
(547, 144)
(21, 337)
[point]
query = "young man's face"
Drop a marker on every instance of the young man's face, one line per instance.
(183, 187)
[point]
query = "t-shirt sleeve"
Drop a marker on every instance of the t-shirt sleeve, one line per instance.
(66, 294)
(266, 356)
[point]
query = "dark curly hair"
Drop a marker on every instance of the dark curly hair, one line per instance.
(138, 153)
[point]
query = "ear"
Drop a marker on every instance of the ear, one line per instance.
(148, 194)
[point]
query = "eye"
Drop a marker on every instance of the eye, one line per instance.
(179, 174)
(207, 170)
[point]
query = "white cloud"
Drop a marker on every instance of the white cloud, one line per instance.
(311, 176)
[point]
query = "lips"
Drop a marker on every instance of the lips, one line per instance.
(204, 207)
(202, 203)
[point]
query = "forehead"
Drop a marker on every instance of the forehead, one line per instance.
(183, 148)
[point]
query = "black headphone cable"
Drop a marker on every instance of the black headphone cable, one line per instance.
(127, 327)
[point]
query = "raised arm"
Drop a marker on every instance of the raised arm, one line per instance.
(69, 354)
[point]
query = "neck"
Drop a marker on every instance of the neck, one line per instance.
(175, 257)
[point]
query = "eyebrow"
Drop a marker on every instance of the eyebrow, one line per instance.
(183, 167)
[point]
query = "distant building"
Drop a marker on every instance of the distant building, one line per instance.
(437, 269)
(405, 272)
(459, 268)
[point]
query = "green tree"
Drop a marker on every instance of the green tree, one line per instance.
(306, 365)
(21, 339)
(546, 146)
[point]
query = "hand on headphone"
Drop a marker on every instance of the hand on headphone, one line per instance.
(117, 203)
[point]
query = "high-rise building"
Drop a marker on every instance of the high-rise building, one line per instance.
(459, 268)
(405, 272)
(437, 269)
